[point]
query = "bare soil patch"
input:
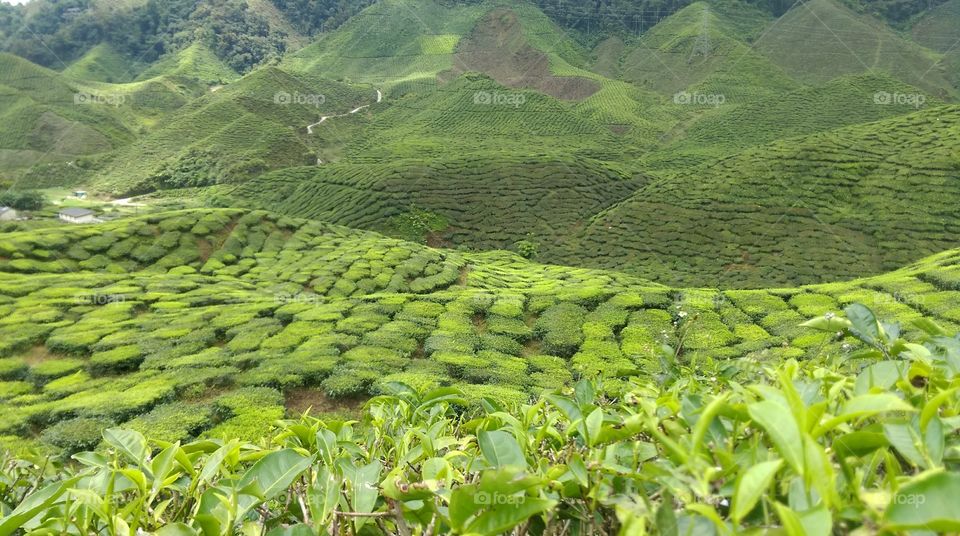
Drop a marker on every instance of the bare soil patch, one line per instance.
(298, 401)
(498, 48)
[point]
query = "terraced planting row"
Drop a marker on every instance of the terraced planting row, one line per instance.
(390, 43)
(488, 202)
(474, 114)
(793, 212)
(263, 316)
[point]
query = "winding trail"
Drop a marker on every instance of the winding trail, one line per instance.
(126, 202)
(355, 110)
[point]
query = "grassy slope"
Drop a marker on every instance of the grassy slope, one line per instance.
(489, 202)
(215, 306)
(392, 43)
(702, 49)
(195, 61)
(839, 204)
(841, 102)
(238, 130)
(939, 28)
(102, 64)
(448, 120)
(42, 121)
(800, 41)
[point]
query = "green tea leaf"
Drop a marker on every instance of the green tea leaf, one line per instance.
(130, 443)
(501, 449)
(928, 502)
(864, 324)
(177, 529)
(782, 429)
(34, 505)
(751, 486)
(593, 424)
(506, 516)
(274, 473)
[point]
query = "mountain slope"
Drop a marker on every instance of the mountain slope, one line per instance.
(389, 43)
(102, 63)
(47, 117)
(487, 201)
(195, 62)
(939, 28)
(819, 40)
(255, 124)
(833, 205)
(521, 48)
(844, 101)
(703, 49)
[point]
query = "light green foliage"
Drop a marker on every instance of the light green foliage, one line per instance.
(662, 441)
(214, 352)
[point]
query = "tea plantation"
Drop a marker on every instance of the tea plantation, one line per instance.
(228, 315)
(213, 325)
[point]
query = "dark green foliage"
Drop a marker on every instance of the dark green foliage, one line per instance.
(416, 224)
(25, 200)
(560, 326)
(312, 16)
(62, 31)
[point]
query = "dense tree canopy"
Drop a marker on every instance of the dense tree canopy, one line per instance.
(312, 16)
(54, 33)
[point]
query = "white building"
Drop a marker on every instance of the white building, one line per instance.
(78, 215)
(7, 214)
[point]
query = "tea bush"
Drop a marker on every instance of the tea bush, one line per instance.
(827, 445)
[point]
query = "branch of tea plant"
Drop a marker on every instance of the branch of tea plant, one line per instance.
(363, 514)
(402, 527)
(303, 505)
(432, 526)
(36, 483)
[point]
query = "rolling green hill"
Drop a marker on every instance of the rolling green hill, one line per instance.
(48, 118)
(255, 124)
(487, 202)
(939, 28)
(848, 100)
(196, 62)
(102, 63)
(705, 50)
(834, 205)
(392, 43)
(820, 40)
